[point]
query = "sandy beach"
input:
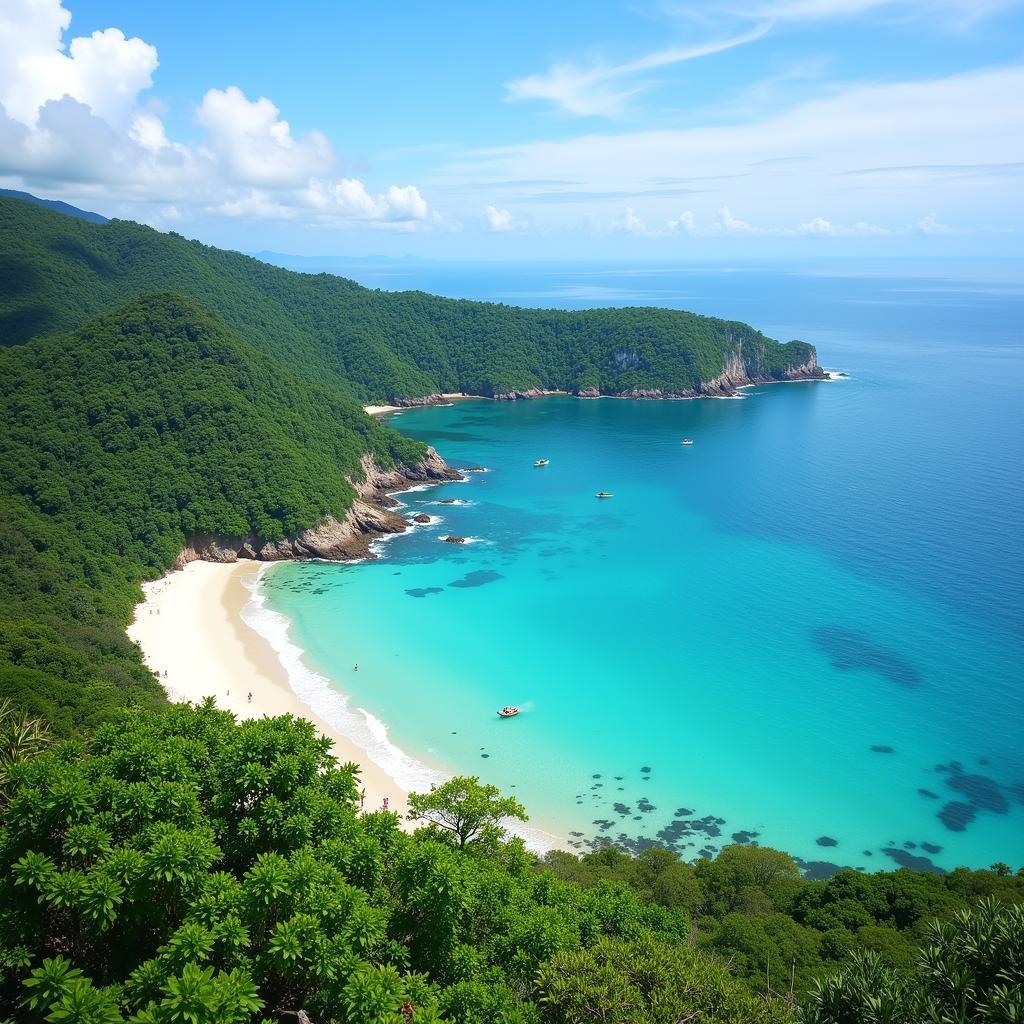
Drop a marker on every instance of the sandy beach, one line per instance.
(190, 626)
(382, 410)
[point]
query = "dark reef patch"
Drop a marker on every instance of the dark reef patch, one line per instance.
(826, 841)
(956, 816)
(882, 748)
(982, 791)
(912, 861)
(424, 591)
(931, 848)
(850, 651)
(928, 794)
(478, 578)
(818, 870)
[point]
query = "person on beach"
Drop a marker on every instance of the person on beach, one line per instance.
(355, 668)
(250, 697)
(385, 803)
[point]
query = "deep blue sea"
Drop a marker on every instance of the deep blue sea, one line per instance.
(804, 631)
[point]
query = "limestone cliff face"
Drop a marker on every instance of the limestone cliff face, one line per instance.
(340, 539)
(738, 372)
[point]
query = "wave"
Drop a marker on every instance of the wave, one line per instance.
(329, 704)
(368, 733)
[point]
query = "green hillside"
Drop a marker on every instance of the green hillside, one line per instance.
(147, 426)
(57, 272)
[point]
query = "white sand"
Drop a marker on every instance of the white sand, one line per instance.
(190, 625)
(380, 410)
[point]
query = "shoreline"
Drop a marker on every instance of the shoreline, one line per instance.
(235, 646)
(226, 658)
(449, 398)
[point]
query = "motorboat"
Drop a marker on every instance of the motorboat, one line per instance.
(687, 440)
(508, 712)
(604, 494)
(542, 462)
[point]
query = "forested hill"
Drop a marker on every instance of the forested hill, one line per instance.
(56, 272)
(121, 441)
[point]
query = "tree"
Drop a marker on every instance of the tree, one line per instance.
(465, 810)
(969, 972)
(21, 737)
(647, 982)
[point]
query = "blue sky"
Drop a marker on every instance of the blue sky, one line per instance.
(674, 129)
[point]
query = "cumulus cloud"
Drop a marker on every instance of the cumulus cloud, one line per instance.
(104, 71)
(733, 225)
(256, 147)
(684, 222)
(498, 220)
(930, 224)
(71, 113)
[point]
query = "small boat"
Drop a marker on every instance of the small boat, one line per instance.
(604, 494)
(542, 462)
(687, 440)
(508, 712)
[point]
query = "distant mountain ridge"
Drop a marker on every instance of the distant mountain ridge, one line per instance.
(57, 205)
(386, 347)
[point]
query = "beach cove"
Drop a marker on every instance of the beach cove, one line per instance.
(797, 665)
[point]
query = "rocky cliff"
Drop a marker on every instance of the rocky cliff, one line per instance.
(367, 518)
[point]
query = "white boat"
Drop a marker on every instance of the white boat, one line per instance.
(508, 712)
(542, 462)
(604, 494)
(687, 440)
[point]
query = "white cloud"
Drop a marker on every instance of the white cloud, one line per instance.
(684, 222)
(348, 198)
(71, 116)
(603, 89)
(104, 71)
(795, 162)
(632, 224)
(256, 147)
(733, 225)
(498, 220)
(931, 225)
(955, 13)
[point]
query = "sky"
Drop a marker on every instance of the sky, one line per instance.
(579, 130)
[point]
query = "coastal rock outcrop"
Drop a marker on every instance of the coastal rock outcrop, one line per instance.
(745, 365)
(514, 396)
(350, 537)
(412, 403)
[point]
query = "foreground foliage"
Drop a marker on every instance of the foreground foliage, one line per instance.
(178, 866)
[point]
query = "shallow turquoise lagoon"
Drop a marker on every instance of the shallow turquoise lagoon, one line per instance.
(804, 630)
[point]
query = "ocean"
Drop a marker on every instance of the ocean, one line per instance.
(804, 631)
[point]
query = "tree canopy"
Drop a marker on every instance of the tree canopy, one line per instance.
(466, 811)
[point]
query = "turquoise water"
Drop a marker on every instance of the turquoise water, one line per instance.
(804, 630)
